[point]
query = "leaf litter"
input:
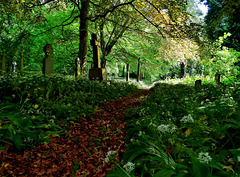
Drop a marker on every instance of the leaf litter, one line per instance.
(83, 151)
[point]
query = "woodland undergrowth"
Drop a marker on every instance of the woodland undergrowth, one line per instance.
(183, 131)
(33, 107)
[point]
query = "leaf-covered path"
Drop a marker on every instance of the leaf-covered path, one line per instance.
(81, 152)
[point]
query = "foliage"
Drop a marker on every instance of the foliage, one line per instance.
(225, 61)
(179, 131)
(222, 18)
(33, 106)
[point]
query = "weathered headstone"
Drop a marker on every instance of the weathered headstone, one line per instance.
(198, 84)
(14, 64)
(96, 73)
(21, 65)
(217, 77)
(3, 63)
(48, 61)
(127, 77)
(138, 71)
(77, 67)
(182, 69)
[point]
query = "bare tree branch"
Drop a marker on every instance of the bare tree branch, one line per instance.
(148, 20)
(111, 10)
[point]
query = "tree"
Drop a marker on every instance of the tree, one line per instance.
(222, 18)
(168, 17)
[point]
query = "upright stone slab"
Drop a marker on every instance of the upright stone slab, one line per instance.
(182, 65)
(3, 63)
(217, 77)
(48, 61)
(77, 68)
(198, 84)
(96, 73)
(21, 64)
(14, 64)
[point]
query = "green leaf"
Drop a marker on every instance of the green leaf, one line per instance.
(18, 142)
(137, 152)
(75, 168)
(199, 169)
(164, 173)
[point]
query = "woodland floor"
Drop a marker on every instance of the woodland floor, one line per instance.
(84, 148)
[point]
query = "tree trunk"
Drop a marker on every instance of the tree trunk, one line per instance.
(127, 77)
(103, 61)
(83, 37)
(123, 72)
(138, 71)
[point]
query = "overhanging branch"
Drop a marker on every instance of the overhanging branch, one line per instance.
(111, 10)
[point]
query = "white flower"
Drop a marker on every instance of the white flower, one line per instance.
(187, 119)
(129, 166)
(204, 157)
(107, 159)
(166, 128)
(110, 155)
(238, 158)
(141, 133)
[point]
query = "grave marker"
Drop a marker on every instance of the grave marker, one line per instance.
(96, 73)
(198, 84)
(182, 69)
(48, 61)
(217, 77)
(14, 64)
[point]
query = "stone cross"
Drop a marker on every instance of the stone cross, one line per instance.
(3, 66)
(96, 57)
(48, 61)
(14, 64)
(21, 64)
(96, 73)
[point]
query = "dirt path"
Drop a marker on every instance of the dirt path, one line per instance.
(84, 149)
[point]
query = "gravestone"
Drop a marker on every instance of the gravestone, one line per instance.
(48, 61)
(96, 73)
(14, 64)
(3, 63)
(77, 67)
(217, 77)
(182, 70)
(198, 84)
(21, 65)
